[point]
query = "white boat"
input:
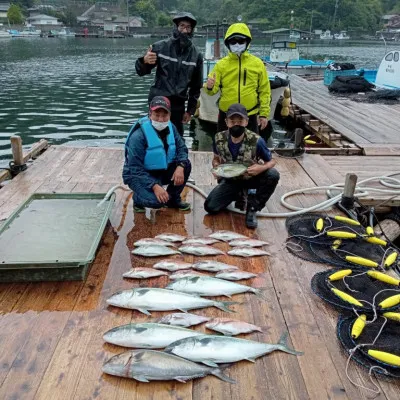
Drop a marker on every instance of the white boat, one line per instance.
(341, 36)
(388, 75)
(30, 32)
(5, 35)
(65, 32)
(326, 35)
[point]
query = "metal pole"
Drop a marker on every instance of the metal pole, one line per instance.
(127, 16)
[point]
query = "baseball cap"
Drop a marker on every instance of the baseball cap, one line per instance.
(160, 102)
(237, 109)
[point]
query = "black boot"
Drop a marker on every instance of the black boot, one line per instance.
(251, 217)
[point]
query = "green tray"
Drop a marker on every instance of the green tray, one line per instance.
(52, 237)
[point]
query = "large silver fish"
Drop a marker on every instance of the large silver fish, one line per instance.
(182, 319)
(229, 170)
(235, 275)
(213, 266)
(227, 236)
(147, 335)
(200, 240)
(143, 273)
(152, 365)
(247, 243)
(172, 265)
(153, 299)
(209, 286)
(185, 274)
(152, 241)
(154, 251)
(248, 252)
(231, 327)
(200, 250)
(171, 237)
(211, 349)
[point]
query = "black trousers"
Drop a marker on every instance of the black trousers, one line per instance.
(228, 190)
(177, 111)
(221, 124)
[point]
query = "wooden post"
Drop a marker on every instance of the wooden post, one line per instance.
(390, 227)
(298, 137)
(350, 185)
(16, 146)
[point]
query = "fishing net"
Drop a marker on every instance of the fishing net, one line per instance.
(362, 288)
(379, 335)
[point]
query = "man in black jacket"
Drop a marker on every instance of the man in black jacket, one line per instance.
(179, 74)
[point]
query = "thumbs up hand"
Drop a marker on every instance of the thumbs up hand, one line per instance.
(211, 81)
(150, 57)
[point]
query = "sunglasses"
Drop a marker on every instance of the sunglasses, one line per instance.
(237, 41)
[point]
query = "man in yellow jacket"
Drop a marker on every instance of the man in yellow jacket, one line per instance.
(241, 78)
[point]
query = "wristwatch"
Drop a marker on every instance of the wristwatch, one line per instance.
(182, 164)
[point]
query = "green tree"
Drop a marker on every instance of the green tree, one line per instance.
(164, 20)
(14, 14)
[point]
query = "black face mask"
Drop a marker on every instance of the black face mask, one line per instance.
(236, 131)
(185, 39)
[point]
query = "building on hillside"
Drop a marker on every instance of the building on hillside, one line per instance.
(391, 21)
(391, 30)
(134, 22)
(4, 6)
(43, 20)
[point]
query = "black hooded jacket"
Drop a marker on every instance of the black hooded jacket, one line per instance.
(179, 73)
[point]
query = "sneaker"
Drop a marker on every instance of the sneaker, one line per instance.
(251, 218)
(181, 205)
(139, 209)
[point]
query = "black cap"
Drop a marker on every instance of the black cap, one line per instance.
(185, 16)
(237, 109)
(160, 102)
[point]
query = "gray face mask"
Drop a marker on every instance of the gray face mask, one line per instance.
(237, 48)
(159, 126)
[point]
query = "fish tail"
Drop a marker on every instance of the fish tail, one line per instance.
(219, 374)
(259, 292)
(283, 345)
(223, 305)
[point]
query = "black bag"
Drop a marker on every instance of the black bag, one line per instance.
(341, 66)
(350, 84)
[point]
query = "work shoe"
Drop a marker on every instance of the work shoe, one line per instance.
(181, 205)
(138, 209)
(251, 218)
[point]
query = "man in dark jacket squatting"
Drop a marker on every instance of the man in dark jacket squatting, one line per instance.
(242, 146)
(179, 73)
(156, 155)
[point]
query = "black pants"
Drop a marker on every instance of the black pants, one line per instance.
(221, 124)
(177, 111)
(228, 189)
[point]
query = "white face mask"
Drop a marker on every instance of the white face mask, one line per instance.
(159, 126)
(237, 48)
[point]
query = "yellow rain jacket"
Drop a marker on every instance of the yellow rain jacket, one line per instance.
(241, 79)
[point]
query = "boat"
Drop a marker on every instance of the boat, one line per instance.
(326, 35)
(284, 56)
(65, 32)
(5, 34)
(208, 109)
(341, 36)
(30, 32)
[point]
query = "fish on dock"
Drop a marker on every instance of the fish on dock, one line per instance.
(200, 250)
(213, 266)
(227, 236)
(171, 237)
(185, 273)
(231, 327)
(153, 365)
(147, 335)
(229, 170)
(212, 349)
(200, 240)
(143, 273)
(209, 286)
(235, 275)
(154, 251)
(247, 252)
(247, 243)
(182, 319)
(172, 265)
(152, 241)
(154, 299)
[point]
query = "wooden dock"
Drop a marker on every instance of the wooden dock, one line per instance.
(51, 332)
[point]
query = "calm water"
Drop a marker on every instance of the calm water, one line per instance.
(85, 91)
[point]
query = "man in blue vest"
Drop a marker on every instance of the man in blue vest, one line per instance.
(156, 155)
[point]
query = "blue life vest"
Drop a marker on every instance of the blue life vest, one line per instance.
(156, 157)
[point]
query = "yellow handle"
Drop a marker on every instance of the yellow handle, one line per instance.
(375, 240)
(390, 259)
(358, 326)
(347, 220)
(342, 234)
(319, 224)
(307, 137)
(310, 142)
(362, 261)
(369, 231)
(390, 301)
(346, 297)
(385, 357)
(340, 274)
(383, 278)
(392, 315)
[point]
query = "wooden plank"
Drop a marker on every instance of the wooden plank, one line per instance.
(35, 149)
